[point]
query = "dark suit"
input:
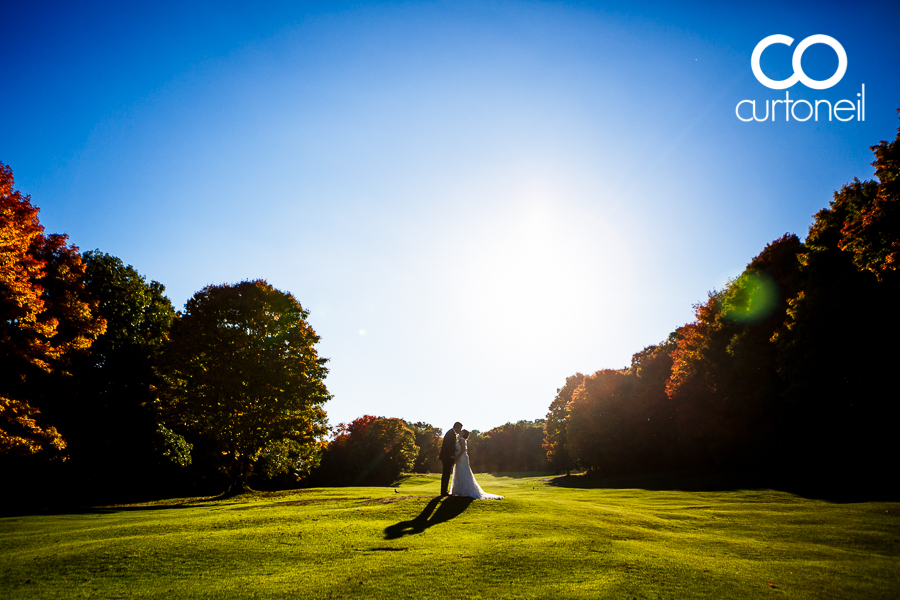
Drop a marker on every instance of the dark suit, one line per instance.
(448, 449)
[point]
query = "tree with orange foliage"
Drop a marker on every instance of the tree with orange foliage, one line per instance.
(871, 232)
(788, 371)
(724, 377)
(369, 451)
(596, 428)
(556, 442)
(44, 316)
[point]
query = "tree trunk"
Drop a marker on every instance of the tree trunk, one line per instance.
(237, 488)
(240, 471)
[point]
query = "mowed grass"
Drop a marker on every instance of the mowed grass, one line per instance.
(541, 541)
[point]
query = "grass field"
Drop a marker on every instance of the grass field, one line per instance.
(541, 541)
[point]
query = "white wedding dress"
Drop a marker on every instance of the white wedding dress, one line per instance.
(464, 483)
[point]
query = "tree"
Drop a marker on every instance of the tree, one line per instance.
(45, 317)
(428, 439)
(512, 447)
(836, 350)
(368, 451)
(106, 413)
(651, 413)
(597, 429)
(783, 372)
(242, 369)
(724, 377)
(871, 232)
(555, 435)
(392, 447)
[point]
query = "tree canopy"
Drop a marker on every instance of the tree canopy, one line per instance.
(783, 371)
(556, 437)
(510, 447)
(369, 451)
(428, 439)
(105, 412)
(46, 316)
(242, 369)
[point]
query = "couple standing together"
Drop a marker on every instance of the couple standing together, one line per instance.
(455, 459)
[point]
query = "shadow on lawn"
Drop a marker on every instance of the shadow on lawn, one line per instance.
(450, 508)
(62, 509)
(843, 491)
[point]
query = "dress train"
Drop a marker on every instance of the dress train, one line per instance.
(464, 483)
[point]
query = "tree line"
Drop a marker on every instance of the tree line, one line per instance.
(107, 392)
(378, 450)
(789, 371)
(105, 388)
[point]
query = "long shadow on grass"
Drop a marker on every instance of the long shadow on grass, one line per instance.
(434, 513)
(53, 510)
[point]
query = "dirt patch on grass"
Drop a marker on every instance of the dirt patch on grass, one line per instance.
(314, 501)
(305, 502)
(389, 499)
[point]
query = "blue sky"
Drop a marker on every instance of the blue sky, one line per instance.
(474, 200)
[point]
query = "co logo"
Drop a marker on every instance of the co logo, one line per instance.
(799, 75)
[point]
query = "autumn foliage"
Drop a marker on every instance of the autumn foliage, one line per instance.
(785, 371)
(368, 451)
(788, 371)
(45, 317)
(98, 369)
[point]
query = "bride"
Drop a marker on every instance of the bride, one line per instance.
(464, 483)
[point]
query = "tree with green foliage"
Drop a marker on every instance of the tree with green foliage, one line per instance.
(106, 411)
(510, 447)
(242, 369)
(428, 439)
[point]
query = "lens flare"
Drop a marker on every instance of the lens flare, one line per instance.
(751, 298)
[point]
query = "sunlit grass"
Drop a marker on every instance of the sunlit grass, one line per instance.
(542, 541)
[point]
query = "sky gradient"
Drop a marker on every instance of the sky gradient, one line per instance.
(474, 200)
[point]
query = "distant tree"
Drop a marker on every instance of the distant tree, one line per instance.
(555, 435)
(473, 445)
(368, 451)
(597, 429)
(513, 447)
(428, 439)
(45, 318)
(651, 414)
(393, 450)
(242, 369)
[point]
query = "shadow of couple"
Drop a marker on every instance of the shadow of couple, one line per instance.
(435, 512)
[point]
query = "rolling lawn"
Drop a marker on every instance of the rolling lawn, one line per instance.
(541, 541)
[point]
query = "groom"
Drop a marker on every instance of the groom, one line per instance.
(448, 456)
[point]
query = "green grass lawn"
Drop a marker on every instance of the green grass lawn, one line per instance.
(541, 541)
